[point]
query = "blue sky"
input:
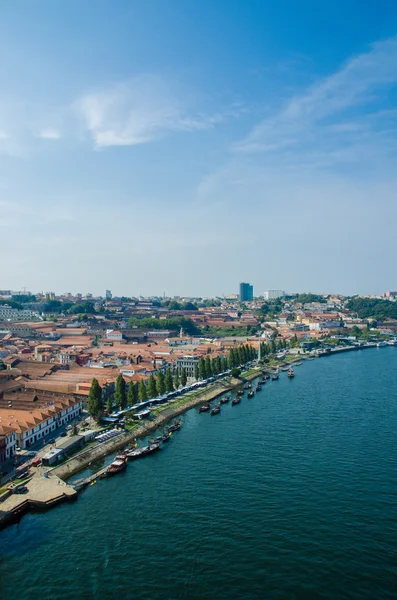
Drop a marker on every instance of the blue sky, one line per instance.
(187, 145)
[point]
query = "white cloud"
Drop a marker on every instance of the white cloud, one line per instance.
(137, 112)
(335, 111)
(49, 134)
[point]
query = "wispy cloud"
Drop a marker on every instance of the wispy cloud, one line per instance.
(334, 111)
(137, 112)
(49, 134)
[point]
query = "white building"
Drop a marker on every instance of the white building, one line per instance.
(273, 294)
(15, 314)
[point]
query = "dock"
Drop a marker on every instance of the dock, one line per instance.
(43, 493)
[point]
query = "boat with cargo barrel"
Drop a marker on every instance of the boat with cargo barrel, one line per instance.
(145, 451)
(117, 466)
(251, 394)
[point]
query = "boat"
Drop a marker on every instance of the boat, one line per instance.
(267, 377)
(141, 452)
(204, 408)
(247, 386)
(381, 344)
(251, 394)
(175, 427)
(262, 381)
(225, 400)
(216, 410)
(258, 387)
(160, 439)
(240, 393)
(236, 400)
(166, 437)
(275, 377)
(93, 482)
(118, 465)
(291, 373)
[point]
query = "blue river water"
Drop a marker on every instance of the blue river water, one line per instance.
(289, 495)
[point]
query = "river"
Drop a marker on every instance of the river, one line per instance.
(289, 495)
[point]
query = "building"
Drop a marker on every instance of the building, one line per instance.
(8, 442)
(246, 292)
(187, 362)
(390, 295)
(15, 314)
(108, 295)
(273, 294)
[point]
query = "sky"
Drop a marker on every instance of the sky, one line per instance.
(181, 147)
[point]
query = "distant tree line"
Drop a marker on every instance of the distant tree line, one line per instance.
(373, 307)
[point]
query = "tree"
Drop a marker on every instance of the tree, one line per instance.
(201, 366)
(95, 404)
(160, 384)
(224, 363)
(272, 347)
(208, 366)
(132, 396)
(119, 394)
(196, 372)
(151, 387)
(74, 429)
(142, 391)
(176, 379)
(183, 377)
(169, 386)
(109, 406)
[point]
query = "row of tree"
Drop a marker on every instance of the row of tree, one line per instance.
(135, 392)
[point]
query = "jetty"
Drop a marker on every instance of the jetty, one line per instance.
(41, 493)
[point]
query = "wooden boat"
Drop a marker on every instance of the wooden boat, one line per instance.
(216, 410)
(258, 388)
(267, 376)
(247, 386)
(251, 394)
(118, 465)
(240, 393)
(275, 377)
(225, 400)
(291, 373)
(204, 408)
(145, 451)
(236, 400)
(175, 427)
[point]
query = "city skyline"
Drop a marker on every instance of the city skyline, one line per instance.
(140, 159)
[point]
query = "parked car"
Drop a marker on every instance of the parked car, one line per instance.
(51, 441)
(64, 434)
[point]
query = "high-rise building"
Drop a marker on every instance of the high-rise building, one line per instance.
(246, 292)
(108, 295)
(273, 294)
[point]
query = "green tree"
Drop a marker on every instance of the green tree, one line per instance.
(273, 347)
(95, 404)
(132, 396)
(183, 377)
(119, 394)
(151, 387)
(142, 391)
(109, 406)
(225, 365)
(208, 366)
(201, 366)
(169, 386)
(160, 384)
(74, 429)
(196, 372)
(176, 379)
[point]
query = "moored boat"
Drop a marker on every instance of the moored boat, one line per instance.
(118, 465)
(225, 400)
(240, 393)
(175, 427)
(140, 452)
(204, 408)
(236, 400)
(291, 373)
(216, 410)
(251, 394)
(275, 377)
(258, 388)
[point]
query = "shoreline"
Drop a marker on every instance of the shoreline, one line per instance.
(14, 509)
